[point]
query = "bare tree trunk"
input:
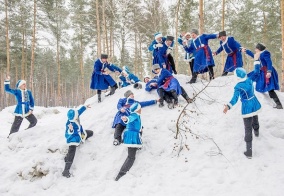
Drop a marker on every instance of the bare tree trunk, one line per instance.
(105, 29)
(23, 50)
(98, 29)
(201, 17)
(82, 67)
(7, 38)
(33, 49)
(176, 35)
(282, 34)
(223, 28)
(264, 28)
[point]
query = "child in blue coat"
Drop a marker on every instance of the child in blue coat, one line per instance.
(25, 105)
(250, 105)
(131, 137)
(74, 134)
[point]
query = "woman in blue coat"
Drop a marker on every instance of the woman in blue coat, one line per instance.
(185, 40)
(74, 134)
(244, 90)
(203, 59)
(24, 107)
(101, 79)
(128, 78)
(233, 49)
(131, 137)
(268, 79)
(123, 106)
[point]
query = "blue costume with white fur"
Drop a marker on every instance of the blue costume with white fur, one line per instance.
(132, 136)
(245, 90)
(188, 56)
(75, 135)
(166, 77)
(148, 86)
(25, 100)
(129, 79)
(234, 56)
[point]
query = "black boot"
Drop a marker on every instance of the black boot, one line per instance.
(185, 95)
(224, 73)
(175, 96)
(211, 72)
(193, 78)
(66, 172)
(112, 89)
(248, 152)
(119, 175)
(278, 103)
(99, 98)
(256, 132)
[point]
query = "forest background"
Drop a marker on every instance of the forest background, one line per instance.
(53, 43)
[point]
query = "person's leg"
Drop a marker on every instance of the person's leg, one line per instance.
(193, 78)
(248, 136)
(161, 93)
(119, 128)
(275, 98)
(172, 63)
(128, 163)
(211, 72)
(185, 95)
(69, 160)
(89, 134)
(255, 125)
(191, 65)
(99, 92)
(112, 89)
(16, 125)
(32, 119)
(175, 96)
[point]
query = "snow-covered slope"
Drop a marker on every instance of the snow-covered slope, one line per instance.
(206, 158)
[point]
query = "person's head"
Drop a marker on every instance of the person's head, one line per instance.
(259, 47)
(104, 57)
(169, 40)
(124, 73)
(72, 115)
(187, 35)
(222, 35)
(158, 37)
(135, 107)
(194, 33)
(129, 94)
(240, 73)
(146, 79)
(156, 68)
(21, 84)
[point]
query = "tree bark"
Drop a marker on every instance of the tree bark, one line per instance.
(282, 37)
(33, 48)
(176, 35)
(7, 38)
(201, 17)
(98, 30)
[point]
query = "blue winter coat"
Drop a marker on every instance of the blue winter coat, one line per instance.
(245, 90)
(130, 79)
(78, 134)
(187, 56)
(233, 50)
(131, 136)
(126, 103)
(264, 84)
(168, 82)
(148, 87)
(24, 98)
(202, 52)
(100, 81)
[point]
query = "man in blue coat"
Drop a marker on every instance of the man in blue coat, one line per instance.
(250, 105)
(24, 107)
(268, 78)
(233, 49)
(203, 59)
(123, 106)
(101, 79)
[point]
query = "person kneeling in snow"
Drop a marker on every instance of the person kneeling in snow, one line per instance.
(131, 137)
(25, 105)
(250, 104)
(74, 134)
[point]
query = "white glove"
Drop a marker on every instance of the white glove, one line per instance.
(169, 50)
(159, 45)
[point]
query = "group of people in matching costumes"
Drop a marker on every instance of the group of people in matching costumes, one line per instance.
(127, 122)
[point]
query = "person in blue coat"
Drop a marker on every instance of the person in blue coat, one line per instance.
(268, 79)
(25, 105)
(75, 135)
(123, 106)
(244, 90)
(127, 78)
(203, 59)
(233, 49)
(166, 83)
(150, 83)
(185, 40)
(162, 48)
(131, 137)
(101, 79)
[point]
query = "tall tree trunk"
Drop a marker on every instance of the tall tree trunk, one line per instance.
(33, 49)
(176, 35)
(82, 65)
(282, 36)
(7, 38)
(98, 30)
(201, 17)
(23, 62)
(223, 28)
(105, 30)
(58, 38)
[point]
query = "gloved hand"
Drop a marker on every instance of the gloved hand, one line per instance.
(159, 45)
(169, 50)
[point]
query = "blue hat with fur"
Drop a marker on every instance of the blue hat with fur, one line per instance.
(240, 73)
(157, 35)
(20, 83)
(135, 107)
(72, 115)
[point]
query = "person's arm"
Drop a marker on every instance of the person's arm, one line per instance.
(235, 98)
(267, 58)
(154, 45)
(7, 86)
(32, 103)
(147, 103)
(220, 49)
(98, 67)
(249, 53)
(82, 109)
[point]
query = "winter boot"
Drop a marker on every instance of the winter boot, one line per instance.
(161, 103)
(99, 98)
(224, 73)
(211, 73)
(193, 78)
(185, 96)
(66, 172)
(256, 132)
(175, 96)
(248, 153)
(119, 175)
(116, 142)
(278, 103)
(112, 89)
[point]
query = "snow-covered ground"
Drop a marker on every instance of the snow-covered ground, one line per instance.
(206, 159)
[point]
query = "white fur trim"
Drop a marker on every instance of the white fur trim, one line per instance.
(251, 114)
(223, 43)
(256, 62)
(21, 83)
(73, 143)
(241, 79)
(158, 35)
(7, 82)
(133, 145)
(230, 105)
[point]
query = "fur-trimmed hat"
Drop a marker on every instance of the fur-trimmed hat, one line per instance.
(157, 35)
(222, 33)
(72, 115)
(104, 56)
(195, 31)
(156, 66)
(135, 107)
(20, 83)
(186, 34)
(128, 93)
(240, 73)
(170, 38)
(260, 46)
